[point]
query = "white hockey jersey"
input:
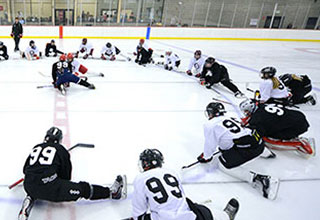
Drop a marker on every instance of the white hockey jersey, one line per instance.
(159, 191)
(267, 91)
(197, 64)
(108, 51)
(220, 132)
(86, 48)
(32, 51)
(172, 59)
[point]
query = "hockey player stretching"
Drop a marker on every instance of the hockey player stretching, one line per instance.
(299, 87)
(197, 62)
(238, 147)
(48, 177)
(85, 48)
(279, 126)
(62, 75)
(78, 68)
(172, 60)
(213, 73)
(158, 195)
(144, 53)
(32, 52)
(110, 51)
(272, 90)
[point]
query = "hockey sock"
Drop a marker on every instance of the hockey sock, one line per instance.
(94, 192)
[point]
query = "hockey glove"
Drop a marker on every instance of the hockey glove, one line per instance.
(11, 35)
(82, 50)
(85, 56)
(166, 67)
(189, 72)
(201, 159)
(112, 58)
(202, 81)
(20, 35)
(136, 60)
(170, 68)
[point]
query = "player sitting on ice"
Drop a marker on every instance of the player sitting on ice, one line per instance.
(32, 52)
(299, 87)
(158, 195)
(62, 75)
(48, 177)
(51, 49)
(172, 60)
(3, 51)
(78, 68)
(279, 126)
(85, 48)
(196, 62)
(110, 51)
(213, 73)
(144, 53)
(272, 90)
(238, 147)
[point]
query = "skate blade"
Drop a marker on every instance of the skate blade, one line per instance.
(124, 188)
(274, 188)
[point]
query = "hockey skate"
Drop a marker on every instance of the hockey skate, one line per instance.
(268, 185)
(311, 99)
(62, 89)
(91, 86)
(304, 146)
(118, 189)
(26, 208)
(232, 208)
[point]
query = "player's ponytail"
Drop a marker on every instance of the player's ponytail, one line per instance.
(275, 82)
(295, 77)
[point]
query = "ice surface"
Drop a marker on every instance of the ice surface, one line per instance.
(138, 107)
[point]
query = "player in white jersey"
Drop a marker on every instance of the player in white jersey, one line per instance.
(77, 68)
(172, 60)
(196, 62)
(237, 147)
(272, 90)
(32, 52)
(109, 50)
(158, 194)
(86, 48)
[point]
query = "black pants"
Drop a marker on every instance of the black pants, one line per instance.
(16, 41)
(224, 80)
(298, 96)
(237, 156)
(5, 56)
(61, 190)
(201, 211)
(145, 56)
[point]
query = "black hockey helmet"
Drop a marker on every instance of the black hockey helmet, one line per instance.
(286, 78)
(268, 72)
(84, 41)
(1, 43)
(52, 41)
(31, 43)
(108, 45)
(197, 54)
(54, 135)
(214, 109)
(149, 159)
(209, 62)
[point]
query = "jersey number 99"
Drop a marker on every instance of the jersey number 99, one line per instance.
(154, 185)
(45, 156)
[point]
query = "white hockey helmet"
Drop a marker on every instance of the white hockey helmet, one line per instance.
(248, 106)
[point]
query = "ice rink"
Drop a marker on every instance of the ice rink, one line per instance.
(134, 108)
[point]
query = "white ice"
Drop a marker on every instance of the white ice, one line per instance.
(136, 107)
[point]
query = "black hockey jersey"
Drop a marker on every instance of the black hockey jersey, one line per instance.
(276, 121)
(46, 162)
(218, 73)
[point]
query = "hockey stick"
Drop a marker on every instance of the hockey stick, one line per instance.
(71, 148)
(194, 163)
(44, 86)
(128, 58)
(219, 100)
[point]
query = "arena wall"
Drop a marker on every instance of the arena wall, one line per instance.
(166, 33)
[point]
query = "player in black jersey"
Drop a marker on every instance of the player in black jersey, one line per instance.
(144, 53)
(3, 51)
(274, 121)
(48, 177)
(213, 73)
(299, 86)
(51, 49)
